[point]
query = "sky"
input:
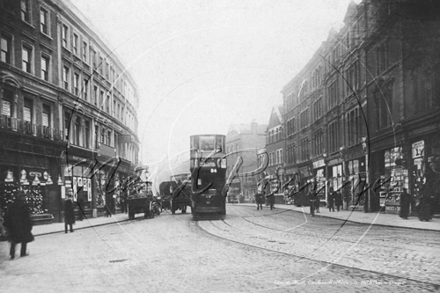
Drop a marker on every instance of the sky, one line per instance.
(201, 65)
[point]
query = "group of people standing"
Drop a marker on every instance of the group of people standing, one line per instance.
(334, 198)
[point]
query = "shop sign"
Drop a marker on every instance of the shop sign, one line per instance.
(318, 164)
(418, 149)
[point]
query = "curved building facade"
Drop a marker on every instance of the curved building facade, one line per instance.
(68, 119)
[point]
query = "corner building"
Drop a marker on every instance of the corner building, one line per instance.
(68, 110)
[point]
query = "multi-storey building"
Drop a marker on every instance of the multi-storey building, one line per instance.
(379, 116)
(242, 144)
(68, 108)
(275, 151)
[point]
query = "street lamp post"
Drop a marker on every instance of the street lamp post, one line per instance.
(367, 195)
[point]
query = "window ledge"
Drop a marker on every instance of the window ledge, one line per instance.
(46, 35)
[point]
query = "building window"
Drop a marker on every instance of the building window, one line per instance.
(103, 136)
(94, 59)
(86, 89)
(45, 67)
(77, 131)
(84, 51)
(5, 55)
(107, 104)
(76, 84)
(27, 59)
(66, 78)
(28, 115)
(101, 65)
(95, 95)
(46, 116)
(75, 44)
(25, 10)
(333, 130)
(109, 137)
(101, 101)
(87, 135)
(44, 21)
(65, 35)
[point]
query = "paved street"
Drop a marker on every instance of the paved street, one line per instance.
(248, 251)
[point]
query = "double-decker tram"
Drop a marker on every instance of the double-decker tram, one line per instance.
(208, 175)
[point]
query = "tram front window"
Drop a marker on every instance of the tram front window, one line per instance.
(207, 143)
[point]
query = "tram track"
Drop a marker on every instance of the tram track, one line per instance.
(295, 232)
(305, 258)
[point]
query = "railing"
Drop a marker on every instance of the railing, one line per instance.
(26, 127)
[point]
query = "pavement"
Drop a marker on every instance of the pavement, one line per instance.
(376, 219)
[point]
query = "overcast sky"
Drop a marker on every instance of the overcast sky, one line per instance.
(201, 65)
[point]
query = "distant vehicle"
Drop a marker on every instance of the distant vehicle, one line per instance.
(176, 195)
(140, 201)
(208, 175)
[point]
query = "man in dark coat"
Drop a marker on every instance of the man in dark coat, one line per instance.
(69, 214)
(19, 224)
(313, 198)
(330, 200)
(338, 199)
(405, 200)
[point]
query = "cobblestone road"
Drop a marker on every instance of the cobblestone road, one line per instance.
(175, 254)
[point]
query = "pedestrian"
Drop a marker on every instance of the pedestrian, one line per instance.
(108, 213)
(19, 224)
(313, 198)
(347, 195)
(405, 200)
(69, 214)
(425, 205)
(338, 199)
(259, 198)
(271, 200)
(330, 200)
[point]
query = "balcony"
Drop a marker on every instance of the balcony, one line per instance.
(28, 128)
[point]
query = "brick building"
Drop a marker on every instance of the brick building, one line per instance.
(366, 106)
(68, 109)
(244, 141)
(275, 151)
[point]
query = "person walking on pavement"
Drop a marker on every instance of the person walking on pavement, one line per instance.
(19, 224)
(330, 200)
(69, 214)
(425, 204)
(338, 199)
(313, 198)
(405, 200)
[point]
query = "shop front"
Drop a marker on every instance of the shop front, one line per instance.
(320, 180)
(36, 176)
(425, 169)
